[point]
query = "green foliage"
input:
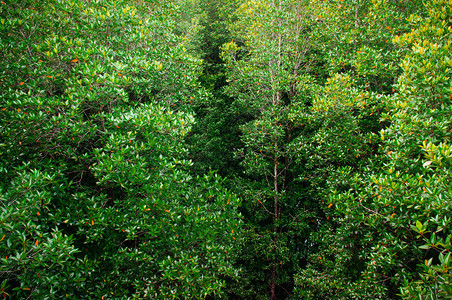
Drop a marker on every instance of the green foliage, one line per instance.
(96, 197)
(422, 121)
(266, 70)
(330, 118)
(374, 200)
(38, 257)
(215, 134)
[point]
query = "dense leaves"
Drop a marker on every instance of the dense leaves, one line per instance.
(267, 68)
(329, 120)
(96, 195)
(383, 180)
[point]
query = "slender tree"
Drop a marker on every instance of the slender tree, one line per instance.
(267, 67)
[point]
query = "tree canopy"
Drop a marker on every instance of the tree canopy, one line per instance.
(204, 149)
